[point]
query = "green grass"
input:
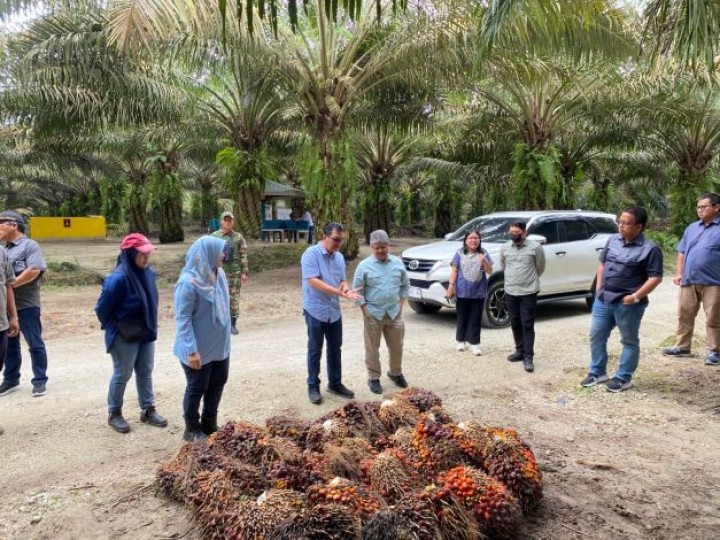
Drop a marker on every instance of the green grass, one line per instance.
(67, 274)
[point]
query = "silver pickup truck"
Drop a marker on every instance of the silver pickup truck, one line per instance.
(572, 240)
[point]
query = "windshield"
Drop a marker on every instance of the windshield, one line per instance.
(492, 229)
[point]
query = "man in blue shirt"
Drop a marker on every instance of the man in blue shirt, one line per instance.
(385, 284)
(630, 268)
(323, 284)
(697, 271)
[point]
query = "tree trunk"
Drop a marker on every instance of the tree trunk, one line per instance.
(136, 202)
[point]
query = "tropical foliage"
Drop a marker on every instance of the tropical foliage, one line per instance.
(388, 114)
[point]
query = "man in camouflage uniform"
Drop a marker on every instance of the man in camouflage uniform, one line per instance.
(235, 263)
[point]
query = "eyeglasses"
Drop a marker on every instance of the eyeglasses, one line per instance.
(703, 207)
(626, 223)
(335, 239)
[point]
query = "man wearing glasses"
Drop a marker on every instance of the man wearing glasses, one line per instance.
(323, 284)
(630, 269)
(28, 264)
(697, 272)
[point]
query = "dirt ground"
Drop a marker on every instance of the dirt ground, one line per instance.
(641, 464)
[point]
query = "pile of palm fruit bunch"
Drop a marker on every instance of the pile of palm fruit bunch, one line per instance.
(401, 468)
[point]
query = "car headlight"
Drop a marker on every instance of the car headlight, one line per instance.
(440, 268)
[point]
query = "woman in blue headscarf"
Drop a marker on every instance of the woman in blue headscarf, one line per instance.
(202, 343)
(127, 310)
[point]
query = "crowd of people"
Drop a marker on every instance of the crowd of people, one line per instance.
(207, 310)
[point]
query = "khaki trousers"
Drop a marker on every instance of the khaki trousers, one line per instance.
(394, 332)
(690, 299)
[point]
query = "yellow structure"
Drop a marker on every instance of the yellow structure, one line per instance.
(67, 228)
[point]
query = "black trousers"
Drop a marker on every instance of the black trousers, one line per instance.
(204, 384)
(469, 317)
(522, 321)
(3, 347)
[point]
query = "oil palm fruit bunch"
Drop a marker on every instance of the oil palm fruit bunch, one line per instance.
(343, 492)
(244, 441)
(298, 473)
(171, 475)
(397, 412)
(391, 475)
(360, 419)
(411, 519)
(287, 427)
(321, 522)
(215, 500)
(255, 519)
(423, 399)
(436, 447)
(454, 520)
(495, 508)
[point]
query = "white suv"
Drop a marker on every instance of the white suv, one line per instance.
(572, 240)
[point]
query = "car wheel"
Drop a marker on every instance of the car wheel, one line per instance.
(495, 313)
(423, 307)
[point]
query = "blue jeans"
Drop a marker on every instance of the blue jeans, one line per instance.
(318, 332)
(129, 356)
(31, 329)
(206, 384)
(627, 319)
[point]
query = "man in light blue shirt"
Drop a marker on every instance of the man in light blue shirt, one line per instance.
(323, 284)
(385, 286)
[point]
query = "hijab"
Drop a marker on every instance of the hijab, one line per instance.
(209, 282)
(142, 282)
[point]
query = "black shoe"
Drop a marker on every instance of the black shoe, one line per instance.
(399, 380)
(374, 385)
(676, 351)
(150, 416)
(341, 390)
(39, 390)
(193, 433)
(593, 380)
(6, 388)
(118, 423)
(314, 395)
(234, 330)
(528, 364)
(208, 424)
(515, 357)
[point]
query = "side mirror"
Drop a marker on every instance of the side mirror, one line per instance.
(540, 239)
(447, 236)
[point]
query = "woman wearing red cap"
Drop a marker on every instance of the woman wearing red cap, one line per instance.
(127, 310)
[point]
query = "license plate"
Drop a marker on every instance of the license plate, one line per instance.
(415, 292)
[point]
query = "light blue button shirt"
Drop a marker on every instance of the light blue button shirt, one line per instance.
(383, 284)
(318, 262)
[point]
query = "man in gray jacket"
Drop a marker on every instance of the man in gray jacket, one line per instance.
(524, 263)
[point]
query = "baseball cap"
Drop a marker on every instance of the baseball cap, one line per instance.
(137, 241)
(227, 214)
(9, 215)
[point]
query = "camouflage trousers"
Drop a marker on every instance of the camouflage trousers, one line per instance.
(234, 285)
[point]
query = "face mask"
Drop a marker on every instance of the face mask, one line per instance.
(516, 237)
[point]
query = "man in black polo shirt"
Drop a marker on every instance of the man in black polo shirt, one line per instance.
(630, 268)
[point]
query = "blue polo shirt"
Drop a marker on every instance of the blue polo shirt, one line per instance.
(383, 284)
(329, 267)
(627, 266)
(700, 245)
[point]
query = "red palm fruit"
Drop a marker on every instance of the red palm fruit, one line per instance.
(391, 475)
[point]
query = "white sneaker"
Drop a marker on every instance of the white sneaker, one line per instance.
(460, 345)
(476, 350)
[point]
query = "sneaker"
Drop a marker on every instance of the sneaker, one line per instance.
(459, 345)
(314, 395)
(399, 380)
(528, 364)
(515, 357)
(38, 390)
(340, 390)
(151, 416)
(712, 359)
(374, 385)
(476, 350)
(234, 330)
(618, 385)
(6, 388)
(676, 351)
(593, 380)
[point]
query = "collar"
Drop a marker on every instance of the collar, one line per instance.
(715, 221)
(375, 259)
(639, 240)
(17, 241)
